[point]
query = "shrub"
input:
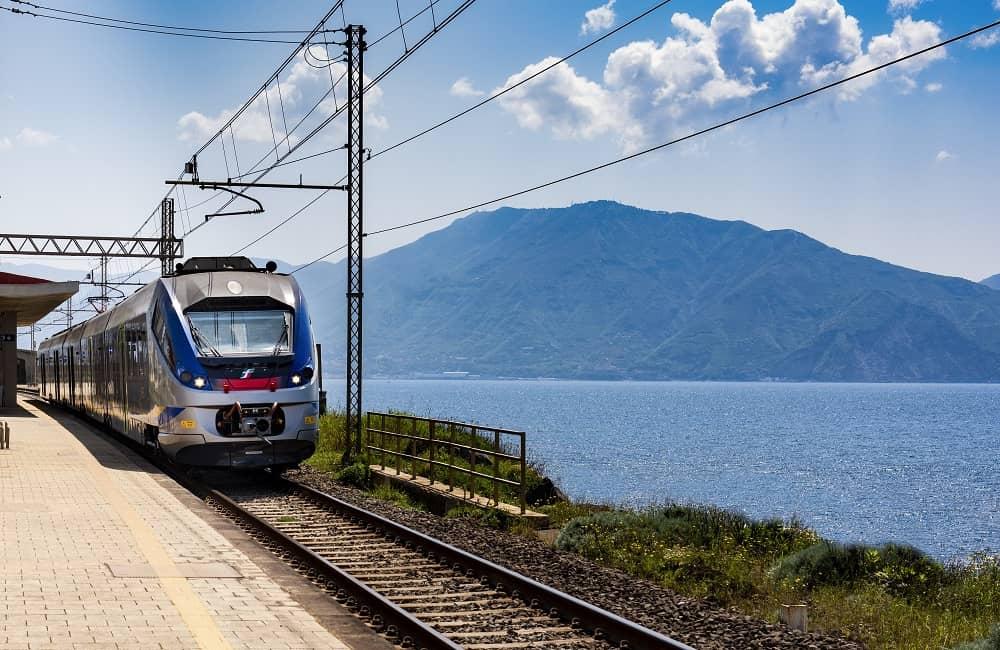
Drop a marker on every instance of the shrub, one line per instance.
(485, 516)
(358, 475)
(900, 570)
(562, 512)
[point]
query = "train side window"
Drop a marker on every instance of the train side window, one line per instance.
(160, 333)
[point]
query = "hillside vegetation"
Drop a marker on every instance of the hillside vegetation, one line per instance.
(604, 290)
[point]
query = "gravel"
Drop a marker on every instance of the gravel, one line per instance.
(694, 621)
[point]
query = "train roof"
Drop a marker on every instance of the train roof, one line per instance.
(213, 264)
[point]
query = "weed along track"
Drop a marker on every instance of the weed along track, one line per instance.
(419, 591)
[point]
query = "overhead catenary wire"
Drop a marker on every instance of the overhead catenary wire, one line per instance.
(721, 125)
(273, 77)
(656, 6)
(306, 42)
(336, 113)
(175, 27)
(148, 30)
(496, 95)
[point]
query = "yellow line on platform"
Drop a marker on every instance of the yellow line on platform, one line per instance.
(197, 618)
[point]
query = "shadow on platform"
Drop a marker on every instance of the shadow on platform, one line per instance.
(15, 412)
(119, 458)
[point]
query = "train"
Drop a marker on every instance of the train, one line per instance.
(212, 366)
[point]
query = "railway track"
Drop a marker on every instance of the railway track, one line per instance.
(418, 591)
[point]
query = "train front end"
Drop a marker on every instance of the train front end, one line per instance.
(236, 378)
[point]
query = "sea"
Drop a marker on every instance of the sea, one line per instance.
(911, 463)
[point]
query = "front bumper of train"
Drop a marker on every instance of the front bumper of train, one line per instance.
(189, 436)
(240, 454)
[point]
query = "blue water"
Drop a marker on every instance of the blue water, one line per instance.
(913, 463)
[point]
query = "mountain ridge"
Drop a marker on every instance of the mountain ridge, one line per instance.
(605, 290)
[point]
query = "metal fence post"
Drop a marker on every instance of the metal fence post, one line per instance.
(430, 452)
(381, 438)
(496, 467)
(451, 456)
(472, 461)
(524, 465)
(399, 430)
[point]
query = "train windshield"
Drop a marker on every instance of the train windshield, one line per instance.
(257, 333)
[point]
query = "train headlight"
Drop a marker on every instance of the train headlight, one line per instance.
(186, 376)
(296, 379)
(199, 382)
(307, 373)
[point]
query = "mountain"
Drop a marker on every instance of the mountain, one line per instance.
(604, 290)
(993, 282)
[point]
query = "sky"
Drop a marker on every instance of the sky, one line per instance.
(900, 166)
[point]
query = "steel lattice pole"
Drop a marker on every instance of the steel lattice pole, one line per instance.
(166, 237)
(355, 231)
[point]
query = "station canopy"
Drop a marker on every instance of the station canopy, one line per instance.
(32, 298)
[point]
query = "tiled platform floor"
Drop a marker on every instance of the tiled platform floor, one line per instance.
(97, 550)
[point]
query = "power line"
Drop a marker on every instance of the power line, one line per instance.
(308, 264)
(406, 22)
(286, 220)
(273, 77)
(305, 43)
(186, 29)
(336, 113)
(479, 104)
(506, 90)
(695, 134)
(81, 21)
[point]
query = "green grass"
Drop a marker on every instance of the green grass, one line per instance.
(400, 498)
(889, 596)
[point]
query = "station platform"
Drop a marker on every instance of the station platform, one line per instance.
(98, 549)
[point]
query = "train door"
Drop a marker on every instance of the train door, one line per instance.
(121, 385)
(106, 391)
(72, 377)
(56, 380)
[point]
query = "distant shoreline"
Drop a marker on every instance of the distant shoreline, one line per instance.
(888, 382)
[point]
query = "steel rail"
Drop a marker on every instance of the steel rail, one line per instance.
(603, 624)
(411, 632)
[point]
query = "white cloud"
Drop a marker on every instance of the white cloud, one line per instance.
(944, 156)
(996, 4)
(571, 105)
(5, 144)
(598, 19)
(35, 138)
(907, 36)
(905, 5)
(464, 88)
(651, 88)
(985, 39)
(934, 87)
(307, 81)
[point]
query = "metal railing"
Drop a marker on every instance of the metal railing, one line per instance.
(409, 435)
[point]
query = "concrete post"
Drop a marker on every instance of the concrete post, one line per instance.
(8, 358)
(795, 617)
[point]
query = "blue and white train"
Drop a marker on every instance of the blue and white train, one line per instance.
(213, 366)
